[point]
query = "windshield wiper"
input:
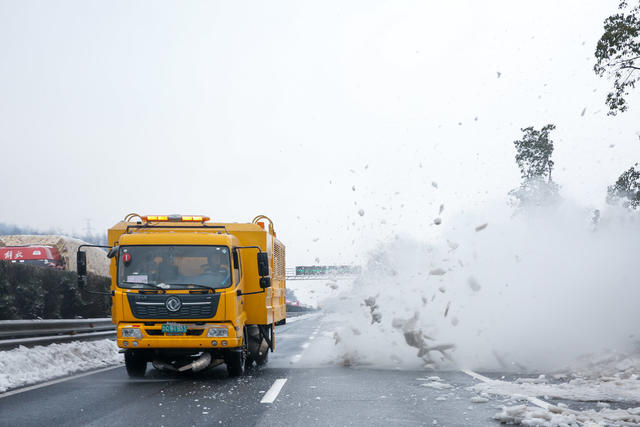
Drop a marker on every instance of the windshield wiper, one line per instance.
(192, 284)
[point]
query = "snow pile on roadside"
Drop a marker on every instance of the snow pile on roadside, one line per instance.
(607, 366)
(610, 377)
(23, 366)
(556, 416)
(495, 291)
(620, 390)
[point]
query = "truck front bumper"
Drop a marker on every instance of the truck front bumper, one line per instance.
(139, 335)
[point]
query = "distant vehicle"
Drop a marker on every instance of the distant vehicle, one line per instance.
(45, 256)
(60, 250)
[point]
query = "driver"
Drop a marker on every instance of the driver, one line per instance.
(218, 264)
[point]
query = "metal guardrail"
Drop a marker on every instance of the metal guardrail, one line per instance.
(14, 333)
(325, 277)
(291, 274)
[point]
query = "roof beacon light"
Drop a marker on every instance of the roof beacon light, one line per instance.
(176, 218)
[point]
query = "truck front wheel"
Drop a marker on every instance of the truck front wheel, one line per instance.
(136, 364)
(236, 361)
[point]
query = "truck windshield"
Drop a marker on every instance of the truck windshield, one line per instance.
(174, 267)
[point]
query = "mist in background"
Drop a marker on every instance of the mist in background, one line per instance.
(307, 112)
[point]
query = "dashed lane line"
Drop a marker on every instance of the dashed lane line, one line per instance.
(60, 380)
(296, 358)
(538, 402)
(271, 394)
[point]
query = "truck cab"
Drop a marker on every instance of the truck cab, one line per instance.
(188, 293)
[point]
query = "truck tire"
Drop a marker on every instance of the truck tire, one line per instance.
(135, 364)
(236, 362)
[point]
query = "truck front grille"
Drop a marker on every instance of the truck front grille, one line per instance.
(202, 306)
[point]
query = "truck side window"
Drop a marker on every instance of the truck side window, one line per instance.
(236, 266)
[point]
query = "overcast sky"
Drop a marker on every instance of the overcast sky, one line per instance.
(233, 109)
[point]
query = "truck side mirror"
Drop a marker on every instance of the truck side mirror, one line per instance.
(81, 261)
(263, 264)
(113, 252)
(265, 282)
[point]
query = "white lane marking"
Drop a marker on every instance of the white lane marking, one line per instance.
(305, 345)
(477, 376)
(61, 380)
(273, 392)
(538, 402)
(296, 358)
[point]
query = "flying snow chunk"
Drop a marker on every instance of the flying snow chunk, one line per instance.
(434, 184)
(361, 212)
(584, 110)
(353, 187)
(482, 227)
(441, 209)
(437, 272)
(437, 221)
(498, 73)
(473, 284)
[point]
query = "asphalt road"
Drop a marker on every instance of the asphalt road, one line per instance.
(311, 395)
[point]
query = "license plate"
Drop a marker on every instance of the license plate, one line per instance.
(174, 329)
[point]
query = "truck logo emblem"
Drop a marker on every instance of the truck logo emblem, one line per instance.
(173, 304)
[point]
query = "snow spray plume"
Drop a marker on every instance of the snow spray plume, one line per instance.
(530, 291)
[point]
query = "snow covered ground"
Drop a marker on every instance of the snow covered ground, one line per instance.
(24, 366)
(611, 381)
(558, 416)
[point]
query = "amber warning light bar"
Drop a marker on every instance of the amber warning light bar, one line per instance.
(176, 218)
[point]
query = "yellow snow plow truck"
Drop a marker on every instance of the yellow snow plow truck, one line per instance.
(189, 294)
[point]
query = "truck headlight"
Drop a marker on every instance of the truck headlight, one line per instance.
(131, 333)
(218, 332)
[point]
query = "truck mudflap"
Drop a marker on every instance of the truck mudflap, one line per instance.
(267, 333)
